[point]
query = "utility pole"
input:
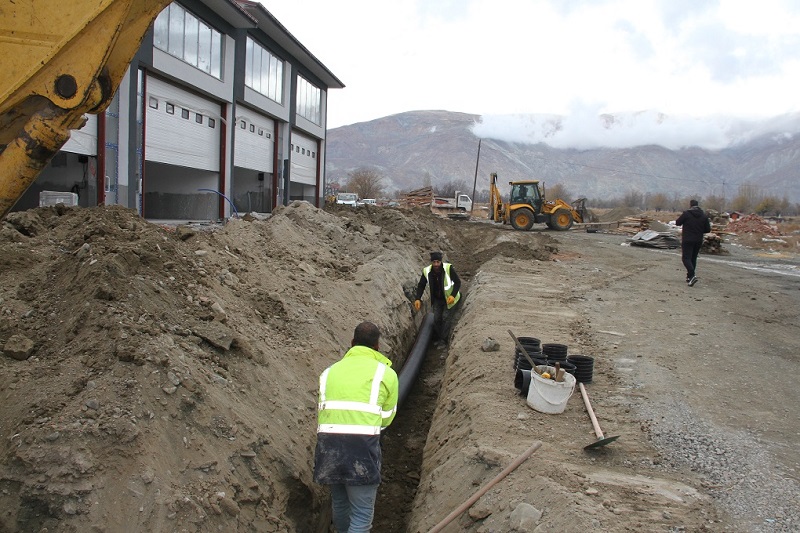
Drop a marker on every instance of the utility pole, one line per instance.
(475, 182)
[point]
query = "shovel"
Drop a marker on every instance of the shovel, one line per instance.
(601, 440)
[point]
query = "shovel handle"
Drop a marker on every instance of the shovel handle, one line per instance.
(591, 412)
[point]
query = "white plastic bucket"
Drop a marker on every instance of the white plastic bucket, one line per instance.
(547, 395)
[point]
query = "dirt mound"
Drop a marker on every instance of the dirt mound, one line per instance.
(618, 213)
(167, 376)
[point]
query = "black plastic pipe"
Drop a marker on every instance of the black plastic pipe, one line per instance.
(408, 374)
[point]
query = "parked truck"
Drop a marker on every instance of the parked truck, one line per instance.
(461, 202)
(347, 198)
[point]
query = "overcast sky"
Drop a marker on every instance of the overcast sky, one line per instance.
(669, 68)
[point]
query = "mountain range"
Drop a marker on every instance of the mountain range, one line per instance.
(418, 148)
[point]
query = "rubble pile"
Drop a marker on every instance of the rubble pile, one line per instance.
(752, 224)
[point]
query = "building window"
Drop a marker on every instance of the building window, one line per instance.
(242, 124)
(181, 34)
(170, 109)
(212, 123)
(263, 71)
(309, 99)
(153, 102)
(185, 113)
(198, 118)
(252, 128)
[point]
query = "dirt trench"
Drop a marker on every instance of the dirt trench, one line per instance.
(165, 378)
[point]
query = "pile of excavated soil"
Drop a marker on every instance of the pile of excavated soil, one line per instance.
(618, 213)
(160, 378)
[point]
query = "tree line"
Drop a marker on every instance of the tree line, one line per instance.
(370, 183)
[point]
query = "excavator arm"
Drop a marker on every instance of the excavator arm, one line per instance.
(61, 60)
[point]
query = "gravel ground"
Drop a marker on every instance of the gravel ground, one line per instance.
(731, 344)
(738, 472)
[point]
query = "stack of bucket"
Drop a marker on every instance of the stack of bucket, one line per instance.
(579, 366)
(533, 346)
(522, 367)
(557, 353)
(584, 366)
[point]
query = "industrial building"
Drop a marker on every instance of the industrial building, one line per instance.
(221, 112)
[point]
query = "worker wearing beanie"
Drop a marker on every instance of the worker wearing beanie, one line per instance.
(444, 287)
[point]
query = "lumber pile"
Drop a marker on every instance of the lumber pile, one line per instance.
(629, 225)
(634, 225)
(417, 198)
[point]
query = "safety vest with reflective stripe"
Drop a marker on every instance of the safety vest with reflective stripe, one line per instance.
(448, 282)
(358, 394)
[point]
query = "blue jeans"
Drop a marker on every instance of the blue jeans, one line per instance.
(353, 507)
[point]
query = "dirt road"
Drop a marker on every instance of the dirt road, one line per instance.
(699, 382)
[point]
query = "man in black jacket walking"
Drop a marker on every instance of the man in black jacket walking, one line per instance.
(695, 223)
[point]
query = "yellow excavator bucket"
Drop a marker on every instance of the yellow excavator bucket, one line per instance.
(60, 61)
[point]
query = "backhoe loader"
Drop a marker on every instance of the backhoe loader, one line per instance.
(60, 60)
(527, 205)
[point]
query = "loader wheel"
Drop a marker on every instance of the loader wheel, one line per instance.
(561, 220)
(522, 219)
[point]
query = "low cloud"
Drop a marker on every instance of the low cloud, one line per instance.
(586, 128)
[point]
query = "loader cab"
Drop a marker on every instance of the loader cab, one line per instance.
(526, 192)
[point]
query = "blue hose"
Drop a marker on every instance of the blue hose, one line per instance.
(235, 212)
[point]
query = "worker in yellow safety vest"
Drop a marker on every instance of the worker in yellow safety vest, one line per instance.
(357, 400)
(445, 290)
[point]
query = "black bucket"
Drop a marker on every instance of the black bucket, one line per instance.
(532, 348)
(529, 347)
(555, 352)
(522, 380)
(521, 362)
(531, 344)
(584, 366)
(566, 365)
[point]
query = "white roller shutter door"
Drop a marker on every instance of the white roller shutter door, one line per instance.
(254, 143)
(304, 159)
(84, 140)
(181, 128)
